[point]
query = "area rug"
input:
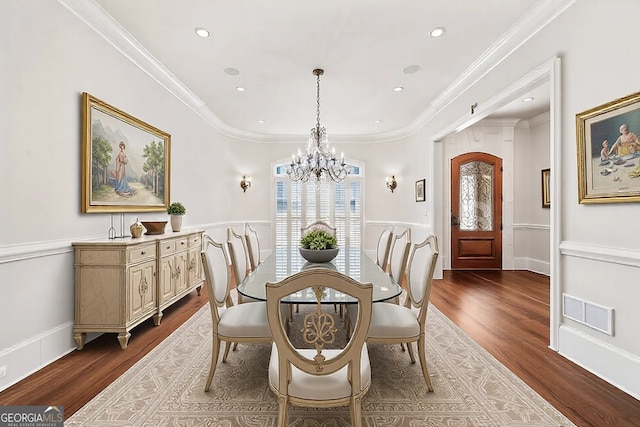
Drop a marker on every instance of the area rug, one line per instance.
(166, 387)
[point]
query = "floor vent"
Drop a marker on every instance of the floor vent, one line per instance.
(588, 313)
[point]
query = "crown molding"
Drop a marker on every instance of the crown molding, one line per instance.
(92, 14)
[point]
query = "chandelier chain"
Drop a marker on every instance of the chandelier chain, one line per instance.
(318, 103)
(320, 162)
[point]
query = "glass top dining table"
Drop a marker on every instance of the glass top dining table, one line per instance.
(286, 261)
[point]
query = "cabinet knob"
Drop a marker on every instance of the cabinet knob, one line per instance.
(142, 252)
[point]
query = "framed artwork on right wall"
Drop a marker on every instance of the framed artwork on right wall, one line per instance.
(609, 152)
(546, 198)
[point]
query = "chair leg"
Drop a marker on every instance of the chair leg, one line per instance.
(423, 362)
(356, 411)
(283, 411)
(227, 346)
(410, 349)
(215, 352)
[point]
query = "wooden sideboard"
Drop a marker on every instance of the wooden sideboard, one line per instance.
(119, 283)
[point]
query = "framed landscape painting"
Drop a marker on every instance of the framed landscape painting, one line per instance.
(609, 152)
(125, 161)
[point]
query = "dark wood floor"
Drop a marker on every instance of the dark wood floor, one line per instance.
(506, 312)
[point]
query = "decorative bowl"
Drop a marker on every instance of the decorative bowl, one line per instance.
(318, 255)
(154, 227)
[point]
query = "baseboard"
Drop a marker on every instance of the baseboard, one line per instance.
(613, 365)
(34, 354)
(535, 265)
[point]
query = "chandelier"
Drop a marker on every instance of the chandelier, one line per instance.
(320, 162)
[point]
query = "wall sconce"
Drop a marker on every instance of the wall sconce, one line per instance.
(245, 183)
(392, 183)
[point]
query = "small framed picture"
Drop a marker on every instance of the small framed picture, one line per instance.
(546, 198)
(420, 191)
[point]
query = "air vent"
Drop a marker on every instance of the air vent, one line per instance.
(588, 313)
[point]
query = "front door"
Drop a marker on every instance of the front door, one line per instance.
(476, 212)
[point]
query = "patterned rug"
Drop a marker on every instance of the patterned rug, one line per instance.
(165, 388)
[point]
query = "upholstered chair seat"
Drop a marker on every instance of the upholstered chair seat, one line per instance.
(313, 387)
(392, 320)
(245, 321)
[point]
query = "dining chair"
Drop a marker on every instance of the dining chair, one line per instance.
(318, 225)
(398, 258)
(319, 377)
(384, 247)
(405, 324)
(253, 246)
(245, 323)
(399, 255)
(237, 246)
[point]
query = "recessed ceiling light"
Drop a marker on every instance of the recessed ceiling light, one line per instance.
(411, 69)
(201, 32)
(528, 99)
(240, 89)
(398, 89)
(260, 121)
(231, 71)
(437, 32)
(377, 121)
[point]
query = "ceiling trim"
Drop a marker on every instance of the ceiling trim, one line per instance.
(484, 109)
(106, 26)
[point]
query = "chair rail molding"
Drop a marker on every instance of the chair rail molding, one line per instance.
(601, 253)
(531, 227)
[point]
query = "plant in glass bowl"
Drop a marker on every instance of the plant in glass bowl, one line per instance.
(318, 246)
(177, 211)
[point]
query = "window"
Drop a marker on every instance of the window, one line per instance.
(298, 204)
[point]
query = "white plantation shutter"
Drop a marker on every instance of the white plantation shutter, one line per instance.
(298, 205)
(355, 213)
(339, 216)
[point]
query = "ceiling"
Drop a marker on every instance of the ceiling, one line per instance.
(364, 46)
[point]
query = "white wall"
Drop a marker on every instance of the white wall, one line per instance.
(531, 220)
(44, 73)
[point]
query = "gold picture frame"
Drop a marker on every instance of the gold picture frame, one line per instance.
(609, 152)
(546, 192)
(126, 163)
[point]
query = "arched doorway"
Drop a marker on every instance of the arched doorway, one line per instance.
(476, 211)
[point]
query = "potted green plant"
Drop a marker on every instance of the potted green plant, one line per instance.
(318, 246)
(176, 210)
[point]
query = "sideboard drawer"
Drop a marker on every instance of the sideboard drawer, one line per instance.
(167, 247)
(195, 241)
(182, 245)
(142, 252)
